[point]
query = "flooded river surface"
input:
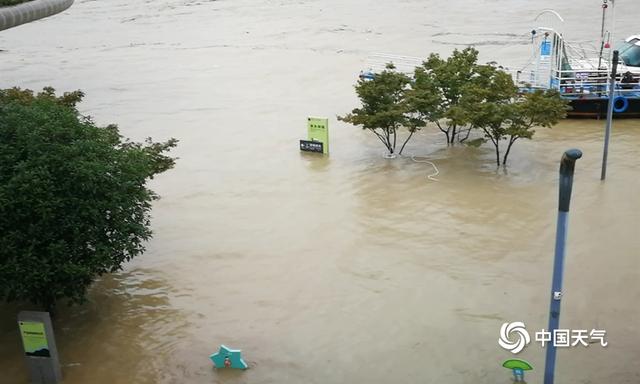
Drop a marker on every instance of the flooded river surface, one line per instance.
(342, 269)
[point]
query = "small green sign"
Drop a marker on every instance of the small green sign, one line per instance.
(34, 339)
(318, 130)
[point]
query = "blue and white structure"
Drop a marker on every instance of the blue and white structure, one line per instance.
(581, 71)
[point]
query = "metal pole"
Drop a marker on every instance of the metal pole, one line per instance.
(567, 165)
(613, 26)
(604, 11)
(607, 132)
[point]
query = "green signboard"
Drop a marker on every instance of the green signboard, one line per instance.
(318, 130)
(34, 339)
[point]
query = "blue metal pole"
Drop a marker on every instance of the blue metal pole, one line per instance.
(607, 131)
(567, 165)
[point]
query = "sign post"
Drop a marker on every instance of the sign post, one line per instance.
(39, 345)
(311, 146)
(318, 130)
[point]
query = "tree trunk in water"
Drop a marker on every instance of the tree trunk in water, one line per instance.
(506, 154)
(394, 138)
(405, 143)
(446, 132)
(387, 140)
(453, 134)
(467, 136)
(389, 147)
(497, 154)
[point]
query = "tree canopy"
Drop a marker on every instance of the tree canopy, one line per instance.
(492, 104)
(439, 87)
(73, 197)
(385, 111)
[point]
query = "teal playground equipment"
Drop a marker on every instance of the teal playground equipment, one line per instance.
(228, 358)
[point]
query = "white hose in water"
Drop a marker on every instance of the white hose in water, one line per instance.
(431, 176)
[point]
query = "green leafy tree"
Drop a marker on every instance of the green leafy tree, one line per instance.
(439, 85)
(73, 197)
(385, 110)
(491, 102)
(538, 109)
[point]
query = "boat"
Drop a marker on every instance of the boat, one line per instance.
(581, 71)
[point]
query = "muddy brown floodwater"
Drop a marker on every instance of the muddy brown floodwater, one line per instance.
(341, 269)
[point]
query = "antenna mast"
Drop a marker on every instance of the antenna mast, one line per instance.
(604, 15)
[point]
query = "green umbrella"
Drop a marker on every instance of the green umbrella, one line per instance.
(518, 366)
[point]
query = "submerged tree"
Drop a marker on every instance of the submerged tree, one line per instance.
(537, 109)
(384, 108)
(491, 103)
(73, 197)
(458, 95)
(438, 89)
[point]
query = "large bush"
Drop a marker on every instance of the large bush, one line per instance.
(73, 197)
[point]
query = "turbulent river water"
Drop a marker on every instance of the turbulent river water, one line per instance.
(349, 268)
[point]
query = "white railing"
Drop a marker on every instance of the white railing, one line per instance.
(594, 82)
(584, 82)
(377, 62)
